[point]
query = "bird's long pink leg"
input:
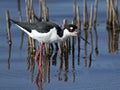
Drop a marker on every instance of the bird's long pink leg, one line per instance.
(36, 56)
(40, 59)
(39, 63)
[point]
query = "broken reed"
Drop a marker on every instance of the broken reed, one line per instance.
(112, 13)
(112, 25)
(8, 28)
(85, 15)
(31, 43)
(20, 19)
(95, 12)
(79, 32)
(93, 17)
(86, 25)
(91, 36)
(8, 36)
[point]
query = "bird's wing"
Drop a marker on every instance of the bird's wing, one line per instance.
(42, 27)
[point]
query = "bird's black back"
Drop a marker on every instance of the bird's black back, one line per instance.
(42, 27)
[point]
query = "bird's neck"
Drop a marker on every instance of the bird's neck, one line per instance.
(65, 35)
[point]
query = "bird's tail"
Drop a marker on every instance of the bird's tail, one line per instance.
(22, 25)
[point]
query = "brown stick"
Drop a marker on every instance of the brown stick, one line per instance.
(91, 21)
(8, 36)
(85, 15)
(8, 28)
(20, 19)
(95, 11)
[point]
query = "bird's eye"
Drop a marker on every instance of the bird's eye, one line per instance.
(71, 29)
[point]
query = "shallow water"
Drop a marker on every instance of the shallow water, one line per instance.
(103, 73)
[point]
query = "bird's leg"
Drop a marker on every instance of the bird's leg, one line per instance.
(39, 80)
(40, 59)
(36, 56)
(39, 63)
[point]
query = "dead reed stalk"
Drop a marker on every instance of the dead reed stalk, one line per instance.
(8, 36)
(75, 12)
(79, 32)
(8, 28)
(112, 13)
(31, 42)
(86, 25)
(85, 15)
(40, 10)
(20, 19)
(91, 37)
(95, 11)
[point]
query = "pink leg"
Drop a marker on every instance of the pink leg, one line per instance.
(39, 80)
(40, 60)
(39, 52)
(39, 63)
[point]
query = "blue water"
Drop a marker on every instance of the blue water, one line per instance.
(103, 74)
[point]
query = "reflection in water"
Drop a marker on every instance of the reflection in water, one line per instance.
(73, 58)
(46, 67)
(113, 40)
(85, 46)
(96, 41)
(112, 26)
(9, 55)
(30, 59)
(91, 36)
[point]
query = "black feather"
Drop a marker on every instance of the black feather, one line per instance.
(42, 27)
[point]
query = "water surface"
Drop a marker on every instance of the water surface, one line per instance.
(104, 71)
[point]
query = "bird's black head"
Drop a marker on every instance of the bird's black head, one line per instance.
(70, 30)
(70, 27)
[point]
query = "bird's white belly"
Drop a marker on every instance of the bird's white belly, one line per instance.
(49, 37)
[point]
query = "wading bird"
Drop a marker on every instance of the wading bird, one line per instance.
(46, 32)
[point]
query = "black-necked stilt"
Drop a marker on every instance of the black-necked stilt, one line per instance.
(46, 32)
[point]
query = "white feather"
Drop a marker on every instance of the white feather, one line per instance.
(49, 37)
